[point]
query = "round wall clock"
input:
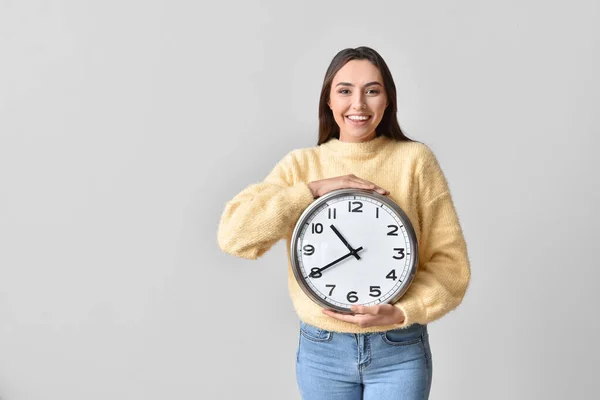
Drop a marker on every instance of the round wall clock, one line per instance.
(351, 247)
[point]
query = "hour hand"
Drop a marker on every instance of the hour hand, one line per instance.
(352, 251)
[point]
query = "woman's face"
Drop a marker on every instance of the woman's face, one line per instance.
(357, 100)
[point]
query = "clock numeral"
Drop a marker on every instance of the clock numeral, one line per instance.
(377, 212)
(309, 250)
(315, 273)
(332, 215)
(394, 230)
(317, 228)
(358, 206)
(392, 275)
(401, 252)
(351, 297)
(375, 292)
(332, 287)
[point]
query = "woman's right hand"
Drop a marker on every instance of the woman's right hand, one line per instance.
(323, 186)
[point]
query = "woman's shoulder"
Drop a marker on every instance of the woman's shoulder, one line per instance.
(297, 158)
(303, 153)
(412, 146)
(418, 153)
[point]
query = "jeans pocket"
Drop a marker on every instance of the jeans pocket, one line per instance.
(426, 346)
(403, 336)
(313, 333)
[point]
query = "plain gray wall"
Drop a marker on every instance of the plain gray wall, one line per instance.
(125, 127)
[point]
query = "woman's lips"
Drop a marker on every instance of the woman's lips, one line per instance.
(358, 122)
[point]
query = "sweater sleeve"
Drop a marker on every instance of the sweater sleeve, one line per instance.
(263, 213)
(444, 269)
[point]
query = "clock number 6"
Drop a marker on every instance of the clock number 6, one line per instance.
(352, 298)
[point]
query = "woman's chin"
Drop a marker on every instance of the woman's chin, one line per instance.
(356, 136)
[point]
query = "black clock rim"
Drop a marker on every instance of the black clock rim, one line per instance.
(359, 192)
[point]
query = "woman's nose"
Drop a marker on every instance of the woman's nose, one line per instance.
(359, 103)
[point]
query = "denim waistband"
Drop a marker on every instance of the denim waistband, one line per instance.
(412, 328)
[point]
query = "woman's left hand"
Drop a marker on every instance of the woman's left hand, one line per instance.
(367, 316)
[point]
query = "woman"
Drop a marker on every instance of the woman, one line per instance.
(378, 352)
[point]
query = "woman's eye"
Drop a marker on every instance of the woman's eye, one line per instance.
(370, 91)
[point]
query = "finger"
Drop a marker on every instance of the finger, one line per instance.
(337, 315)
(369, 185)
(381, 190)
(369, 310)
(354, 184)
(362, 182)
(353, 319)
(363, 321)
(353, 181)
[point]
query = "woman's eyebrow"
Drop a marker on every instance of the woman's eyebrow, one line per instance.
(349, 84)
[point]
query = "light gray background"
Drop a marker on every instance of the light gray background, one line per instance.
(127, 125)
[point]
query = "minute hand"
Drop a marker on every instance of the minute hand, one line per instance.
(333, 262)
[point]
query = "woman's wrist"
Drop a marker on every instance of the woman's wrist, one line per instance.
(311, 186)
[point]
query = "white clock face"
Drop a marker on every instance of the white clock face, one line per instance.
(354, 248)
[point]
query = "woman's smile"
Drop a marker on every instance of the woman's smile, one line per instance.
(358, 119)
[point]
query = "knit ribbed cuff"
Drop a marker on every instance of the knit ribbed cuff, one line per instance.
(413, 309)
(300, 195)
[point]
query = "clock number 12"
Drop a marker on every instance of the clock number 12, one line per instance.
(357, 206)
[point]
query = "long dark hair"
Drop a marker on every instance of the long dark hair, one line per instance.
(389, 123)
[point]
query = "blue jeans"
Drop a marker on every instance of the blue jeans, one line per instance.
(388, 365)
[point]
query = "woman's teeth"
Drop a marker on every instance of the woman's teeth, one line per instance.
(358, 118)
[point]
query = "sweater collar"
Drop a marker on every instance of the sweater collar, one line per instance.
(360, 148)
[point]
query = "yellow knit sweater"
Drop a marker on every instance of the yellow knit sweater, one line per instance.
(263, 213)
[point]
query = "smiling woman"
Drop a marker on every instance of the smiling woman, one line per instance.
(358, 98)
(377, 351)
